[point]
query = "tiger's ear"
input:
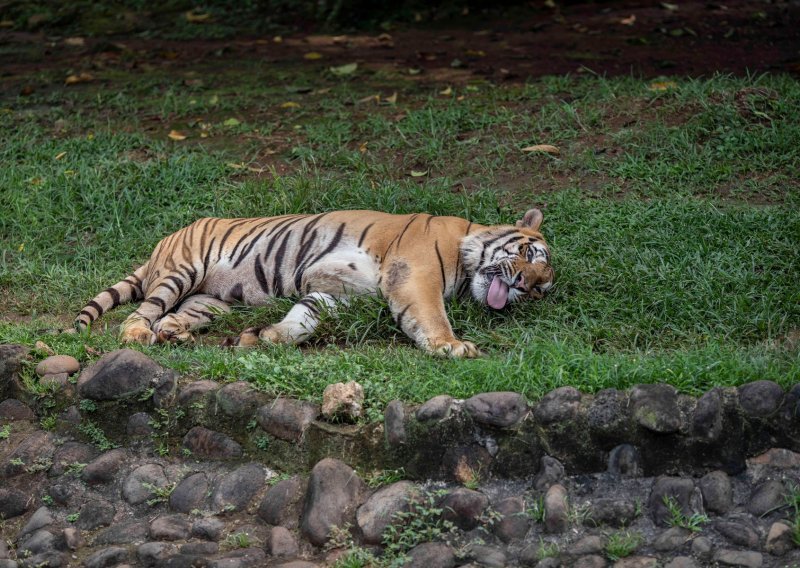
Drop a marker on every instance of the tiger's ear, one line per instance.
(532, 219)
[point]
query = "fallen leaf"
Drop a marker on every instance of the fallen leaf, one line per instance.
(661, 85)
(6, 23)
(414, 70)
(213, 100)
(629, 21)
(231, 122)
(548, 148)
(476, 53)
(21, 247)
(385, 38)
(194, 17)
(290, 104)
(344, 70)
(312, 55)
(278, 39)
(79, 78)
(461, 98)
(75, 41)
(669, 7)
(447, 92)
(418, 173)
(60, 155)
(369, 99)
(392, 100)
(176, 135)
(235, 166)
(363, 148)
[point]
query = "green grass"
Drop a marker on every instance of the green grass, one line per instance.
(673, 218)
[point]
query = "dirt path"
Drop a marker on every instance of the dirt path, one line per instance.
(649, 39)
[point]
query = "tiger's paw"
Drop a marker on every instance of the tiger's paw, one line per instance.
(455, 348)
(172, 329)
(248, 338)
(141, 335)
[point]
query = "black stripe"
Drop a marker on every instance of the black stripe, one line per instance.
(261, 277)
(428, 223)
(136, 290)
(492, 240)
(441, 265)
(207, 257)
(168, 286)
(91, 317)
(277, 275)
(96, 306)
(403, 232)
(191, 272)
(364, 234)
(332, 245)
(156, 301)
(114, 295)
(178, 282)
(237, 292)
(468, 228)
(401, 315)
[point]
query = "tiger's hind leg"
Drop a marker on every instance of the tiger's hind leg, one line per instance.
(298, 325)
(194, 312)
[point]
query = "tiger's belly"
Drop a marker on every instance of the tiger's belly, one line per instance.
(346, 271)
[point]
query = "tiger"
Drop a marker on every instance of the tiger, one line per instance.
(414, 261)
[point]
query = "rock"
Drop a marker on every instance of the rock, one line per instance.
(208, 528)
(104, 468)
(636, 562)
(514, 523)
(190, 493)
(40, 519)
(707, 419)
(51, 558)
(436, 408)
(197, 394)
(282, 543)
(12, 410)
(207, 444)
(170, 527)
(142, 482)
(655, 407)
(297, 564)
(94, 514)
(498, 409)
(238, 400)
(282, 504)
(241, 558)
(625, 460)
(738, 532)
(464, 507)
(343, 402)
(742, 558)
(33, 454)
(681, 491)
(58, 364)
(591, 544)
(613, 512)
(556, 515)
(590, 561)
(779, 458)
(701, 547)
(235, 490)
(334, 492)
(69, 456)
(287, 419)
(394, 423)
(155, 553)
(559, 405)
(140, 425)
(779, 539)
(11, 358)
(672, 539)
(717, 492)
(120, 374)
(107, 557)
(550, 472)
(200, 548)
(489, 556)
(607, 416)
(59, 383)
(13, 503)
(431, 555)
(766, 497)
(681, 562)
(123, 533)
(62, 493)
(37, 542)
(760, 398)
(376, 513)
(72, 538)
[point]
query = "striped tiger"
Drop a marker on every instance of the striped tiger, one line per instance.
(415, 261)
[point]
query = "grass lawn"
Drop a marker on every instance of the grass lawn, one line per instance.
(673, 216)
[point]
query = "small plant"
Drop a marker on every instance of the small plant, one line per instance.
(622, 544)
(677, 518)
(72, 517)
(382, 477)
(96, 435)
(39, 464)
(238, 540)
(87, 405)
(339, 537)
(421, 523)
(262, 442)
(160, 494)
(547, 549)
(47, 500)
(48, 422)
(162, 449)
(147, 394)
(358, 558)
(75, 468)
(17, 461)
(5, 432)
(536, 510)
(792, 499)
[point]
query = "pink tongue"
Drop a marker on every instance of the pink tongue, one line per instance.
(498, 294)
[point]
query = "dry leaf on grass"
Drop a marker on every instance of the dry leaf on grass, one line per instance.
(194, 17)
(79, 78)
(60, 155)
(312, 55)
(447, 92)
(344, 70)
(74, 41)
(176, 135)
(547, 148)
(418, 173)
(661, 85)
(290, 104)
(629, 21)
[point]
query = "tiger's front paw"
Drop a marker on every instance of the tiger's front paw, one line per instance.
(141, 335)
(455, 348)
(172, 329)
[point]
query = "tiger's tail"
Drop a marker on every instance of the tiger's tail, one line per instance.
(127, 290)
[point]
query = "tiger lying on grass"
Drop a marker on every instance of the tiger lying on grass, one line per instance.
(415, 261)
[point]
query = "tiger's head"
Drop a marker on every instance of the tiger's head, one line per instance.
(507, 264)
